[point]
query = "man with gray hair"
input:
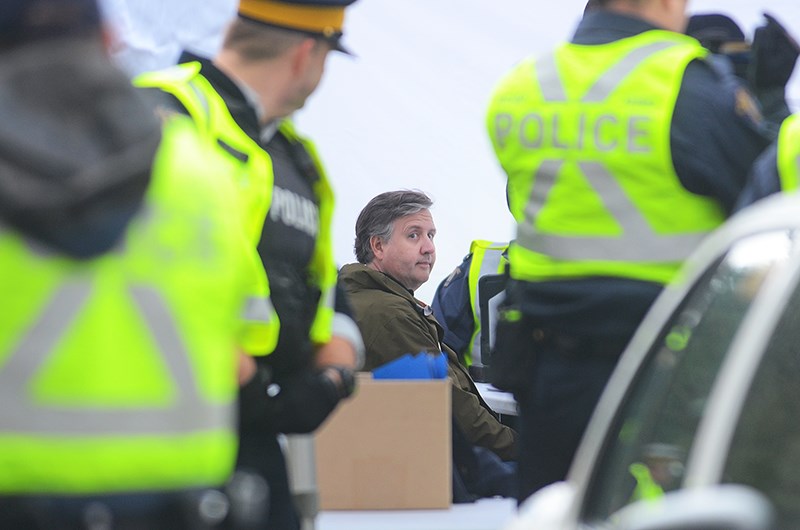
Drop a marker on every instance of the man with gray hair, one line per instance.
(395, 249)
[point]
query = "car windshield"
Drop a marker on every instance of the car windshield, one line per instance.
(765, 450)
(650, 439)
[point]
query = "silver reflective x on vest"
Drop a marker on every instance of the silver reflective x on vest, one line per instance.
(19, 413)
(639, 242)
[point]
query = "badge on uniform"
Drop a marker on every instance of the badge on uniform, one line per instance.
(747, 107)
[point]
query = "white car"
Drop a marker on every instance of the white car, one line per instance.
(699, 426)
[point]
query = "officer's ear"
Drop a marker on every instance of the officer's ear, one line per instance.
(301, 56)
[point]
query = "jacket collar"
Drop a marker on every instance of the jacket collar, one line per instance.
(242, 109)
(602, 27)
(361, 276)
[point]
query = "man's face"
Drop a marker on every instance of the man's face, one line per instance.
(409, 254)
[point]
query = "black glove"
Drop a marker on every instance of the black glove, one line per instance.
(774, 55)
(296, 404)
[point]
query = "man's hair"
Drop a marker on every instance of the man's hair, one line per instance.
(256, 41)
(378, 217)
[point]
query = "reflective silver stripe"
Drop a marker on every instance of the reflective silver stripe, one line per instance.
(549, 81)
(203, 100)
(608, 81)
(639, 242)
(328, 297)
(543, 182)
(23, 364)
(492, 257)
(258, 309)
(662, 249)
(20, 414)
(552, 87)
(170, 344)
(797, 164)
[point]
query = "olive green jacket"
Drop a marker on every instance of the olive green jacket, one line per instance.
(393, 323)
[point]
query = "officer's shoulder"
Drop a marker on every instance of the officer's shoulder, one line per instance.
(712, 80)
(458, 272)
(176, 73)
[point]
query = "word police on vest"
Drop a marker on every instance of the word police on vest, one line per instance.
(602, 132)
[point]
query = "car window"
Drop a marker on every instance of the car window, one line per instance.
(650, 439)
(765, 450)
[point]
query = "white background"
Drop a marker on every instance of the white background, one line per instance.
(408, 111)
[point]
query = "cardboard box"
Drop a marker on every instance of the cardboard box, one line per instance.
(387, 448)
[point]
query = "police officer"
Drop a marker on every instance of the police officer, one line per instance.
(272, 59)
(623, 148)
(458, 300)
(778, 168)
(765, 64)
(118, 382)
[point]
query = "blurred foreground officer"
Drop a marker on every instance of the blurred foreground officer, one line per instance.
(623, 149)
(272, 60)
(122, 279)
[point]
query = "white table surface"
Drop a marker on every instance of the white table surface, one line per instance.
(501, 402)
(484, 514)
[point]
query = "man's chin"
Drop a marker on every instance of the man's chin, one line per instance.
(422, 278)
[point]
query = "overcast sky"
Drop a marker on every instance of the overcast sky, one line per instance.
(408, 111)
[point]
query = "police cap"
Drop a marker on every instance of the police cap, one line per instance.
(319, 18)
(715, 31)
(24, 21)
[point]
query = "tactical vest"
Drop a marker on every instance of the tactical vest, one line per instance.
(247, 161)
(789, 153)
(584, 137)
(117, 374)
(323, 266)
(488, 259)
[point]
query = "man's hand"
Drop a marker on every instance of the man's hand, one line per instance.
(774, 55)
(246, 368)
(336, 352)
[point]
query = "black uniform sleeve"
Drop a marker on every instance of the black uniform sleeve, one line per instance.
(297, 403)
(763, 180)
(717, 133)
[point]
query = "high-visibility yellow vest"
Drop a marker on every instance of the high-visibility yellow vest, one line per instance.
(584, 137)
(249, 164)
(323, 266)
(647, 488)
(117, 374)
(487, 259)
(789, 153)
